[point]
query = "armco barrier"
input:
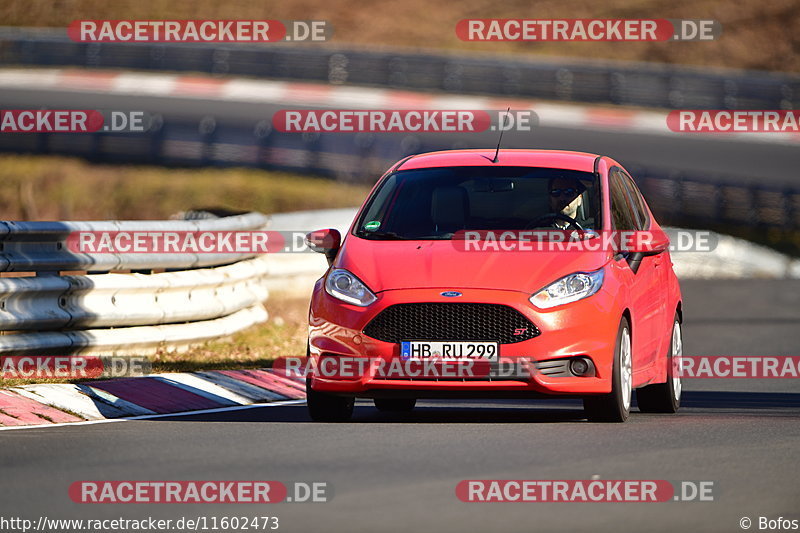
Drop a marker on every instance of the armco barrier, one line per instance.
(677, 198)
(640, 84)
(203, 296)
(41, 246)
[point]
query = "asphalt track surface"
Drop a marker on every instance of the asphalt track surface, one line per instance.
(740, 162)
(399, 472)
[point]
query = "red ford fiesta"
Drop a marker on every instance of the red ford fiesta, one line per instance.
(472, 273)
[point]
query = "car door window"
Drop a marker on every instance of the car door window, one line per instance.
(621, 210)
(636, 201)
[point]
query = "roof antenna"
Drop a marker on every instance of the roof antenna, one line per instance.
(502, 129)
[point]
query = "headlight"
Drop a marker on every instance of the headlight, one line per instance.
(568, 289)
(345, 286)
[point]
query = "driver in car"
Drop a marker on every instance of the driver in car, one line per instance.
(565, 198)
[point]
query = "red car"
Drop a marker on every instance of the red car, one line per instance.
(423, 299)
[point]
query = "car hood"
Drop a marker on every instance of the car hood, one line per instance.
(391, 265)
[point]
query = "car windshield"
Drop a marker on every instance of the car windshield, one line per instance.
(436, 203)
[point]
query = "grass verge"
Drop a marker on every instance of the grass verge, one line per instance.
(65, 188)
(284, 335)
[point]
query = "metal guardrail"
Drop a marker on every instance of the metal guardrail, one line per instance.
(682, 199)
(142, 340)
(113, 300)
(42, 246)
(640, 84)
(118, 313)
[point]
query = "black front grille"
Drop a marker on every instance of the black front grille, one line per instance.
(451, 322)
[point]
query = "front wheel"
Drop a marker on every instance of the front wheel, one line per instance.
(665, 397)
(615, 406)
(324, 407)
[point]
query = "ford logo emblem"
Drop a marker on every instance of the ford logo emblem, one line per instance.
(450, 294)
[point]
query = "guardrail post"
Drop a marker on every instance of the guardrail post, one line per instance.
(752, 217)
(789, 208)
(206, 128)
(719, 201)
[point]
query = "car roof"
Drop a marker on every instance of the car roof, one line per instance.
(562, 159)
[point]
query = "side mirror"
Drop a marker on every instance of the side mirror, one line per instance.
(644, 243)
(651, 242)
(325, 241)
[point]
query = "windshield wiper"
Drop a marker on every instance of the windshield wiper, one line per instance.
(439, 237)
(382, 235)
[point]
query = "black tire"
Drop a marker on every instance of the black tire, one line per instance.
(395, 404)
(664, 397)
(611, 407)
(323, 407)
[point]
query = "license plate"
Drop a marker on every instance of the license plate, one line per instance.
(449, 350)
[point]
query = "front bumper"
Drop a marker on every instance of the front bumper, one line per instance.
(586, 328)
